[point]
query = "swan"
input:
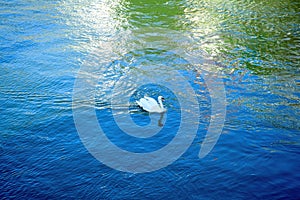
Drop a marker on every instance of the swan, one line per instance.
(150, 105)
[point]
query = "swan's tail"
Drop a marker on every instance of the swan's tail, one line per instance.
(139, 103)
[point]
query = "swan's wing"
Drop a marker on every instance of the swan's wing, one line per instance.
(151, 100)
(145, 104)
(142, 103)
(154, 106)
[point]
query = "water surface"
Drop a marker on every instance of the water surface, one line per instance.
(253, 44)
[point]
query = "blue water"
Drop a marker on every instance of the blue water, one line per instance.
(45, 45)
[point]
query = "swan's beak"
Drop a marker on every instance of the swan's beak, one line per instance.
(163, 99)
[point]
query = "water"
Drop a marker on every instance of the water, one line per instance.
(47, 46)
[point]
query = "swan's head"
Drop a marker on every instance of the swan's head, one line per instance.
(161, 98)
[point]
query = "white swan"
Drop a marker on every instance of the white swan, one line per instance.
(150, 105)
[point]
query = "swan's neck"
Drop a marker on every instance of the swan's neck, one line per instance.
(160, 103)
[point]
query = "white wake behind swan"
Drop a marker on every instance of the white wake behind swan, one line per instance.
(150, 105)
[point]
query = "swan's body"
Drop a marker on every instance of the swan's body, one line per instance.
(150, 105)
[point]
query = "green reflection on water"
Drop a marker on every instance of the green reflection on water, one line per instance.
(261, 36)
(161, 13)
